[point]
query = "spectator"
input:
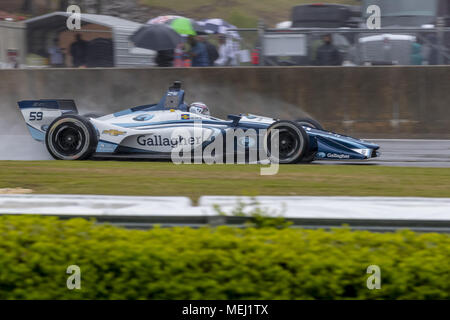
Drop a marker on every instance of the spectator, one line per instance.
(164, 58)
(78, 50)
(56, 55)
(328, 54)
(416, 54)
(198, 52)
(227, 56)
(99, 53)
(212, 52)
(178, 60)
(255, 56)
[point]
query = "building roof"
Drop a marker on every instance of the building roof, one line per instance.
(59, 18)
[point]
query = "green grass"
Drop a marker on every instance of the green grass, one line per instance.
(159, 178)
(242, 13)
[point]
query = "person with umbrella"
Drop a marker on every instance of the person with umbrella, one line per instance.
(198, 52)
(227, 56)
(164, 58)
(227, 47)
(201, 50)
(160, 38)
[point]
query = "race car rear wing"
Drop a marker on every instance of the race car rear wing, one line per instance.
(39, 114)
(56, 104)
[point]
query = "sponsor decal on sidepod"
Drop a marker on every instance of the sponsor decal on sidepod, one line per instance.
(158, 141)
(338, 156)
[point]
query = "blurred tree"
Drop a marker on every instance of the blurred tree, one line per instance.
(63, 4)
(28, 6)
(98, 6)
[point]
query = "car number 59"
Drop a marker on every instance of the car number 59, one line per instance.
(36, 116)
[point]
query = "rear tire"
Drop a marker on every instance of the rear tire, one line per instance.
(293, 142)
(92, 115)
(71, 137)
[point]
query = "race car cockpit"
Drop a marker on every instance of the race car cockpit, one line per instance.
(174, 98)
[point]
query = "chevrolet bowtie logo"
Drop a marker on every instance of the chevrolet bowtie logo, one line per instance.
(113, 132)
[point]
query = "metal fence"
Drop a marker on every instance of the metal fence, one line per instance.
(299, 47)
(389, 46)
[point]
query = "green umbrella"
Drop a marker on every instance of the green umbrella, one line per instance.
(183, 26)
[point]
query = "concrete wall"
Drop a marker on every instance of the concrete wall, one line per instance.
(369, 102)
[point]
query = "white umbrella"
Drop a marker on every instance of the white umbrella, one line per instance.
(162, 19)
(218, 26)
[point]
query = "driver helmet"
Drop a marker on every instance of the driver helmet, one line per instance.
(199, 108)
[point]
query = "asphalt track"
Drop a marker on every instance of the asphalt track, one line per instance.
(408, 153)
(394, 152)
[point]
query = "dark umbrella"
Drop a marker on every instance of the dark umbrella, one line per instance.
(156, 37)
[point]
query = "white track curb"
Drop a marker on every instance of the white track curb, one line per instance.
(383, 208)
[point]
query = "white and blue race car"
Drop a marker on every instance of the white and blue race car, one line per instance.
(158, 130)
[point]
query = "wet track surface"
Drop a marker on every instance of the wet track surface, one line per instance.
(412, 153)
(408, 153)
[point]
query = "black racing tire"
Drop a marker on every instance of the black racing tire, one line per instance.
(309, 157)
(293, 142)
(311, 123)
(92, 115)
(71, 137)
(308, 122)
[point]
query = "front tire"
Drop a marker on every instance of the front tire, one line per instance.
(310, 123)
(71, 137)
(292, 142)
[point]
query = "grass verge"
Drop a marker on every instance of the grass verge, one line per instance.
(160, 179)
(242, 13)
